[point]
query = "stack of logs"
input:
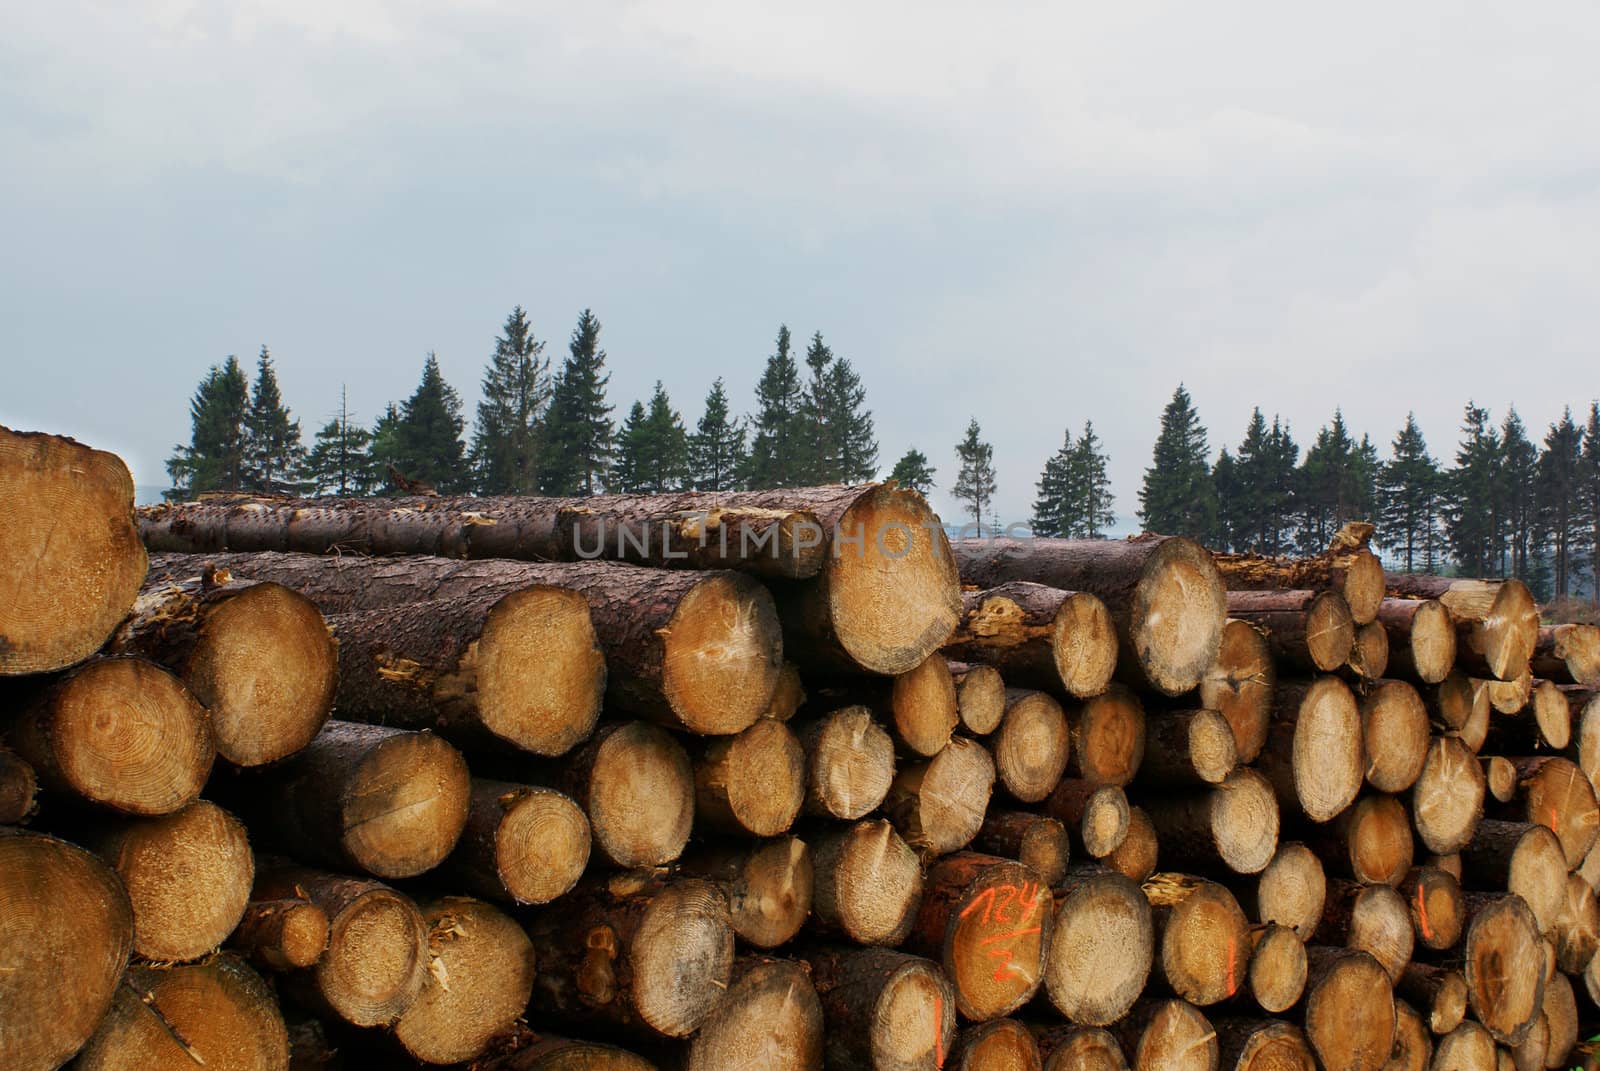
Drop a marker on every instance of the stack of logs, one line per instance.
(768, 780)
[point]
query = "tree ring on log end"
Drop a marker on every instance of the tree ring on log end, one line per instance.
(641, 796)
(376, 961)
(405, 805)
(723, 653)
(1239, 685)
(1327, 749)
(682, 956)
(1350, 1014)
(540, 674)
(1244, 821)
(914, 1020)
(541, 846)
(1101, 950)
(1084, 642)
(1176, 619)
(1505, 968)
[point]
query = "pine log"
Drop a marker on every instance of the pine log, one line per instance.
(1138, 854)
(849, 763)
(1504, 966)
(1413, 1044)
(751, 784)
(1553, 792)
(980, 698)
(1101, 948)
(1308, 631)
(1394, 730)
(1439, 993)
(1577, 928)
(1454, 702)
(922, 702)
(639, 952)
(1447, 800)
(1235, 823)
(1204, 938)
(1422, 638)
(1520, 858)
(1530, 1053)
(1262, 1045)
(1568, 654)
(1474, 732)
(868, 883)
(71, 563)
(1433, 899)
(1291, 890)
(18, 788)
(1468, 1047)
(1586, 749)
(1163, 592)
(1097, 816)
(480, 975)
(1313, 755)
(188, 876)
(521, 844)
(986, 922)
(1038, 842)
(1349, 1009)
(1499, 778)
(696, 650)
(1348, 567)
(1370, 842)
(66, 929)
(998, 1045)
(383, 801)
(282, 935)
(121, 733)
(1187, 747)
(636, 784)
(1544, 722)
(938, 804)
(1168, 1035)
(1371, 918)
(1369, 657)
(376, 960)
(1239, 685)
(258, 656)
(1039, 636)
(1108, 737)
(883, 1010)
(769, 886)
(1277, 977)
(1561, 1015)
(218, 1014)
(1507, 696)
(1031, 746)
(770, 1020)
(1497, 621)
(1450, 864)
(788, 695)
(1079, 1048)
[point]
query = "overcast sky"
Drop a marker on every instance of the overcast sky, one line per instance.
(1029, 214)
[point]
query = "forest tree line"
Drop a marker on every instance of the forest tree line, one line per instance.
(1508, 505)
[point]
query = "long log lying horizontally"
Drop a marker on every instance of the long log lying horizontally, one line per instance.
(1039, 636)
(1347, 568)
(1497, 621)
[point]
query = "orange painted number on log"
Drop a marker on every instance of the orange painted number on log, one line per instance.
(1422, 914)
(938, 1030)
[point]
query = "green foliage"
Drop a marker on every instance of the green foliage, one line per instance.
(1472, 518)
(1409, 501)
(508, 434)
(1589, 494)
(427, 435)
(1051, 492)
(778, 452)
(1519, 459)
(975, 481)
(1262, 488)
(913, 472)
(215, 457)
(339, 463)
(836, 425)
(580, 433)
(1336, 484)
(652, 448)
(273, 453)
(1558, 496)
(716, 448)
(1074, 497)
(1178, 497)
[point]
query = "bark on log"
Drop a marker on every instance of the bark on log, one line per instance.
(1262, 1045)
(636, 784)
(1422, 638)
(980, 698)
(1187, 747)
(1394, 731)
(1164, 593)
(1413, 1044)
(1097, 816)
(1235, 823)
(1277, 977)
(1204, 938)
(282, 935)
(1447, 800)
(1101, 949)
(1370, 918)
(1031, 746)
(1137, 856)
(480, 975)
(521, 844)
(1292, 890)
(1037, 841)
(71, 563)
(770, 1020)
(1520, 858)
(868, 883)
(1504, 966)
(849, 763)
(1079, 1048)
(258, 656)
(752, 784)
(638, 952)
(122, 733)
(1240, 684)
(217, 1014)
(67, 929)
(1168, 1034)
(938, 804)
(1039, 636)
(383, 801)
(188, 876)
(1439, 993)
(769, 886)
(1433, 899)
(1348, 568)
(1568, 654)
(1349, 1011)
(922, 702)
(1308, 631)
(883, 1010)
(999, 1045)
(1108, 738)
(1577, 929)
(986, 921)
(18, 787)
(1313, 755)
(696, 650)
(1553, 792)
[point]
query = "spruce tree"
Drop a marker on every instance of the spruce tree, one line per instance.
(384, 449)
(975, 482)
(1589, 495)
(508, 434)
(716, 448)
(1472, 513)
(1090, 483)
(1178, 497)
(1232, 511)
(778, 450)
(1517, 496)
(579, 432)
(1050, 502)
(338, 462)
(653, 448)
(857, 444)
(819, 432)
(1335, 484)
(1559, 498)
(629, 465)
(428, 436)
(215, 457)
(913, 472)
(1408, 496)
(272, 449)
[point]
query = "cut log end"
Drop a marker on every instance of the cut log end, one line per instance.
(1552, 715)
(1108, 738)
(1508, 633)
(1239, 685)
(1505, 969)
(1100, 956)
(1378, 841)
(1137, 856)
(1327, 749)
(404, 805)
(1244, 821)
(1263, 1046)
(1177, 1036)
(282, 935)
(1447, 800)
(987, 921)
(770, 1019)
(752, 784)
(1177, 615)
(1577, 929)
(1205, 939)
(1394, 723)
(1277, 968)
(1380, 924)
(376, 962)
(1292, 890)
(1037, 841)
(18, 787)
(1422, 637)
(938, 805)
(770, 888)
(1105, 822)
(849, 764)
(1084, 643)
(1031, 748)
(640, 797)
(1557, 794)
(1433, 899)
(981, 699)
(1000, 1045)
(1080, 1048)
(541, 845)
(1364, 586)
(1350, 1011)
(868, 883)
(722, 655)
(923, 700)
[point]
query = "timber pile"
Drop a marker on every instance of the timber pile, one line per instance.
(772, 780)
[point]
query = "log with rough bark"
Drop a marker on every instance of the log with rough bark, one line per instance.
(216, 1014)
(1040, 636)
(281, 935)
(1079, 1048)
(849, 763)
(639, 952)
(1369, 657)
(1439, 993)
(1447, 800)
(258, 656)
(383, 801)
(1097, 816)
(636, 784)
(1031, 746)
(1038, 842)
(480, 975)
(883, 1009)
(188, 876)
(770, 1020)
(1433, 899)
(522, 844)
(1239, 685)
(922, 706)
(71, 562)
(1107, 738)
(1371, 918)
(1553, 792)
(1370, 842)
(1349, 1009)
(1204, 938)
(1277, 976)
(1568, 654)
(66, 929)
(868, 883)
(1394, 734)
(1520, 858)
(1497, 621)
(1347, 567)
(122, 733)
(1505, 965)
(1307, 631)
(1187, 747)
(770, 886)
(18, 787)
(1101, 949)
(1139, 853)
(751, 784)
(980, 698)
(986, 921)
(1164, 593)
(938, 804)
(1422, 638)
(998, 1045)
(1314, 755)
(1234, 823)
(1292, 890)
(1577, 928)
(1168, 1034)
(697, 650)
(377, 954)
